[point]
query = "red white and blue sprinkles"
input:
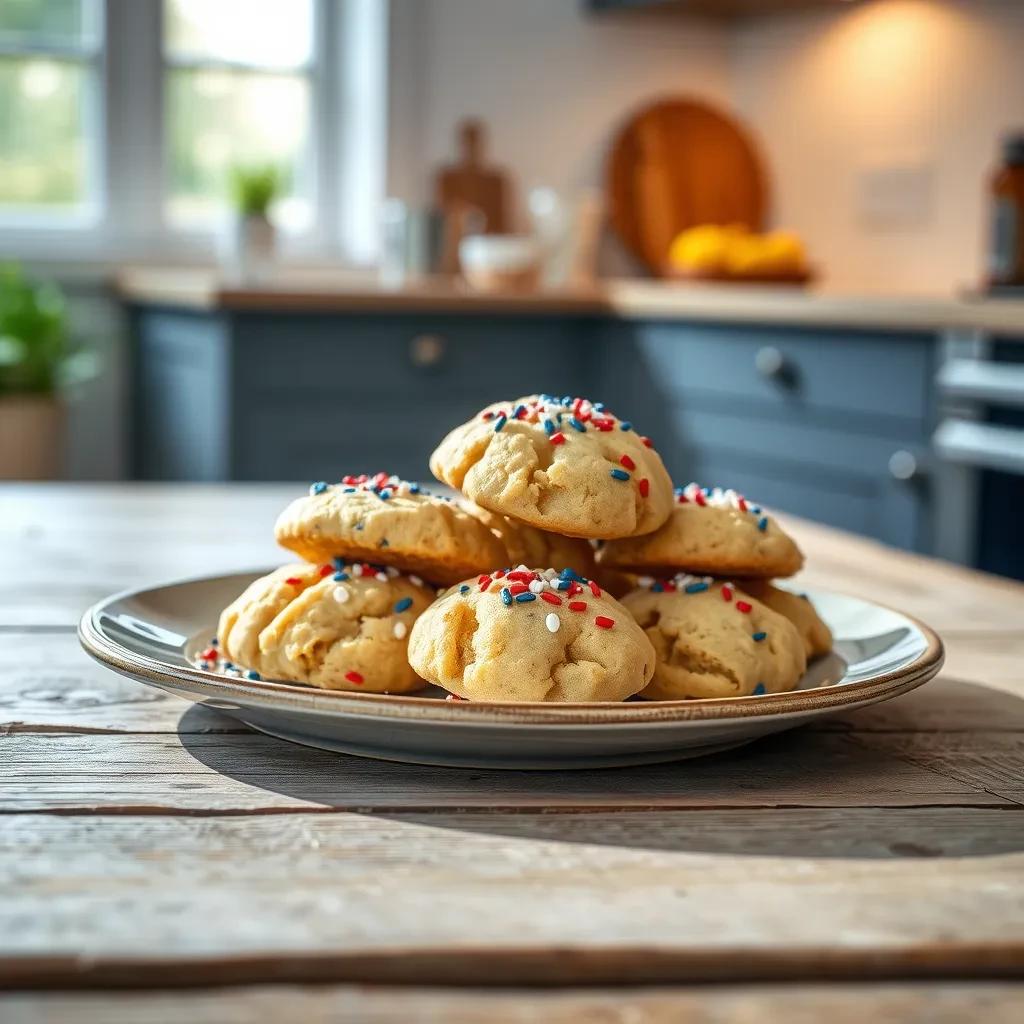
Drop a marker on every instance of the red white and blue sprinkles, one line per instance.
(384, 485)
(522, 586)
(717, 497)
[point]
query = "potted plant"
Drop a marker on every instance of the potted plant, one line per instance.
(252, 237)
(37, 361)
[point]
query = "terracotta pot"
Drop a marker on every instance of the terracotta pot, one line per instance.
(31, 437)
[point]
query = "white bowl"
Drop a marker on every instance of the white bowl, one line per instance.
(500, 262)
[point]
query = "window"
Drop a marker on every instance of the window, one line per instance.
(120, 121)
(49, 125)
(237, 97)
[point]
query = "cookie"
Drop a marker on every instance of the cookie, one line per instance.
(709, 531)
(526, 545)
(712, 640)
(338, 627)
(817, 637)
(393, 522)
(563, 465)
(531, 635)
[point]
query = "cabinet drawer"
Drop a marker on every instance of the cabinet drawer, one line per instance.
(280, 358)
(878, 379)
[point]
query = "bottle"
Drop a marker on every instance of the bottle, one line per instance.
(1006, 239)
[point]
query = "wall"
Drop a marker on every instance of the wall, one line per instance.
(551, 81)
(921, 86)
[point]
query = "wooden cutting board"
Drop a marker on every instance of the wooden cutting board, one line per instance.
(678, 163)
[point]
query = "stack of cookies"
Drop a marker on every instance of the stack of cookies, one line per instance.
(506, 593)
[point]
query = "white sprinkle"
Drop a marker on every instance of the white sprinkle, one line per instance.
(392, 572)
(552, 622)
(550, 574)
(645, 581)
(400, 630)
(416, 581)
(521, 568)
(440, 591)
(536, 586)
(341, 594)
(357, 569)
(381, 577)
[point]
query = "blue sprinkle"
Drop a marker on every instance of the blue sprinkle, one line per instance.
(349, 490)
(384, 495)
(252, 675)
(214, 642)
(599, 406)
(518, 411)
(759, 689)
(506, 596)
(549, 427)
(414, 488)
(756, 509)
(359, 526)
(340, 577)
(526, 597)
(318, 488)
(695, 588)
(619, 474)
(229, 664)
(339, 562)
(559, 417)
(759, 636)
(403, 603)
(500, 423)
(572, 574)
(658, 588)
(625, 425)
(576, 425)
(762, 523)
(562, 585)
(707, 492)
(463, 589)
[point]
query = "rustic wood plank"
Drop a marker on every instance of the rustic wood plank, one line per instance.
(940, 1003)
(116, 901)
(201, 773)
(49, 684)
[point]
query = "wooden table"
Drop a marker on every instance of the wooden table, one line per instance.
(160, 861)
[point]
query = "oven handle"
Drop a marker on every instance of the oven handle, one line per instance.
(980, 444)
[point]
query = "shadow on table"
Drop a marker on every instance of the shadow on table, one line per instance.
(912, 783)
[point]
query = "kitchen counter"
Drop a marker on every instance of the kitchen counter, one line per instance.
(337, 292)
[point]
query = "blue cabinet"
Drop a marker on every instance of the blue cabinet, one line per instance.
(819, 423)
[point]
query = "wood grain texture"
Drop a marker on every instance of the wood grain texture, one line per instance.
(885, 842)
(944, 1003)
(197, 772)
(347, 893)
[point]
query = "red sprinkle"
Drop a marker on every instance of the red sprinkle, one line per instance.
(575, 588)
(546, 595)
(743, 606)
(210, 654)
(683, 499)
(627, 462)
(670, 587)
(483, 578)
(354, 677)
(496, 575)
(648, 443)
(645, 487)
(603, 423)
(577, 606)
(742, 503)
(726, 592)
(594, 588)
(558, 438)
(700, 499)
(521, 576)
(326, 570)
(604, 622)
(293, 581)
(518, 588)
(487, 582)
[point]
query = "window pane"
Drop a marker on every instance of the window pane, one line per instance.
(48, 22)
(42, 137)
(216, 118)
(264, 33)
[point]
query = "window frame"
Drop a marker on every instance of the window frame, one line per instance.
(130, 222)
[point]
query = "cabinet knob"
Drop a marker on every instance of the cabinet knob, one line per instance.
(771, 364)
(903, 465)
(427, 350)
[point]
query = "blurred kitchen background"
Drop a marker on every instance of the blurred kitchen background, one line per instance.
(292, 239)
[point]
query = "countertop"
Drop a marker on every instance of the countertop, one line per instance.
(192, 869)
(337, 292)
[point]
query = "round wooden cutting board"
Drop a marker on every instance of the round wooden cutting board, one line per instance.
(678, 163)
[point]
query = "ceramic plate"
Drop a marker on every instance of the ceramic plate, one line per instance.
(153, 636)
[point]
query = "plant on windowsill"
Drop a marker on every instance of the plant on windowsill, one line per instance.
(252, 240)
(38, 362)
